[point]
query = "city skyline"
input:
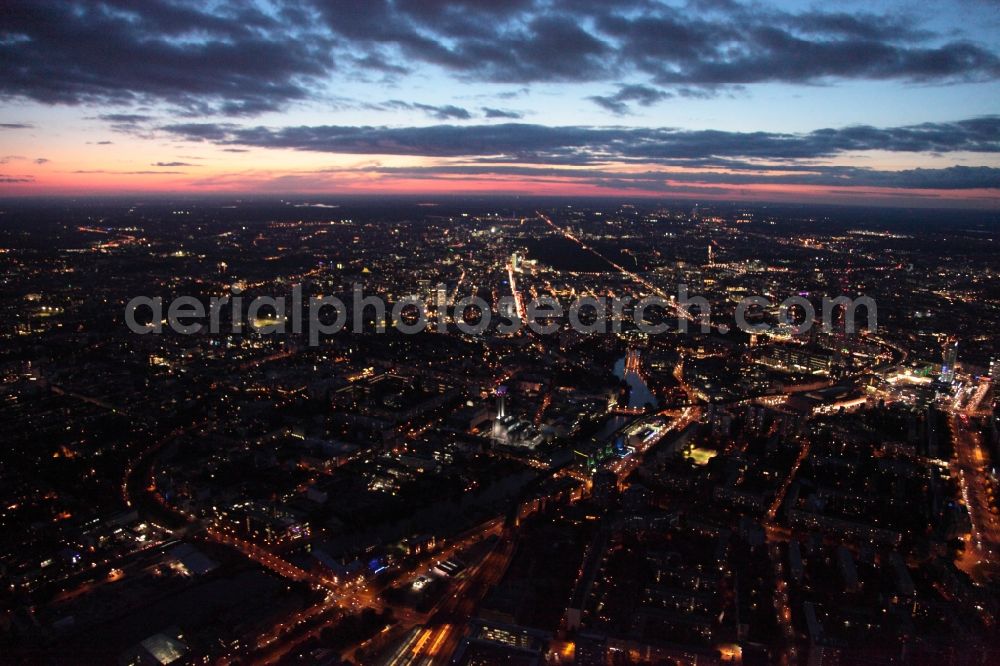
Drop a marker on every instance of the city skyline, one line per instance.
(286, 432)
(481, 332)
(891, 104)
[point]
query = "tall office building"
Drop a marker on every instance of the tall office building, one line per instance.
(950, 357)
(501, 402)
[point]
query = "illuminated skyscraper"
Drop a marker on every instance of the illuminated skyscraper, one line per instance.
(950, 357)
(501, 402)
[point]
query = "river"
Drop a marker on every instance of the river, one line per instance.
(639, 394)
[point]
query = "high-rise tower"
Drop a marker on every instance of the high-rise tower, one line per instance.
(950, 359)
(501, 402)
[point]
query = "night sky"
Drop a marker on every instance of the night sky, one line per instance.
(866, 102)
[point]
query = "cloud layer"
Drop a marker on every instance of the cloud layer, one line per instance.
(235, 60)
(586, 145)
(459, 76)
(240, 58)
(948, 178)
(611, 153)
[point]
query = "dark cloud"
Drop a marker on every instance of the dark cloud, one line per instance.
(239, 58)
(611, 104)
(216, 132)
(171, 164)
(225, 57)
(742, 45)
(949, 178)
(5, 178)
(511, 94)
(490, 112)
(640, 94)
(502, 41)
(15, 126)
(378, 63)
(146, 172)
(124, 118)
(6, 159)
(777, 55)
(442, 112)
(587, 145)
(126, 122)
(732, 44)
(859, 25)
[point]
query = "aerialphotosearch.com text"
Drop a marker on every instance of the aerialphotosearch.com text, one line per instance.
(322, 316)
